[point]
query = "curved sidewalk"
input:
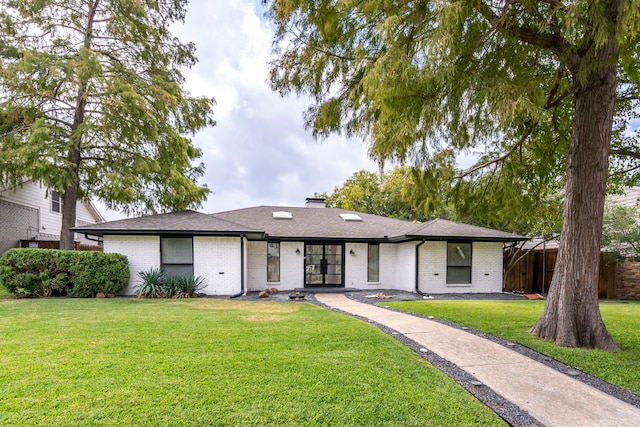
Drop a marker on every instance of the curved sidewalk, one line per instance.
(549, 396)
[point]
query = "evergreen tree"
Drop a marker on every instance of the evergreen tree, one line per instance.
(93, 98)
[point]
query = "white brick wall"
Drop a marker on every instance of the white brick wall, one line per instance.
(143, 253)
(355, 266)
(486, 269)
(257, 266)
(486, 273)
(291, 266)
(405, 266)
(217, 259)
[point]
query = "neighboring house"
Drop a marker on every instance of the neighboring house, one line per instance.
(630, 197)
(309, 247)
(31, 211)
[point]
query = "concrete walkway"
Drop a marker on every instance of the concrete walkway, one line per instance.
(549, 396)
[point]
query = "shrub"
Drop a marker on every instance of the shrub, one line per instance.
(46, 272)
(154, 283)
(187, 286)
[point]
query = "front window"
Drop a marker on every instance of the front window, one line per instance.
(273, 262)
(177, 255)
(458, 263)
(373, 263)
(56, 202)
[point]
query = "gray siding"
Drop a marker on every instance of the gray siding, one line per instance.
(17, 222)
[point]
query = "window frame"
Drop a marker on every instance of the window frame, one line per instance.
(468, 267)
(273, 276)
(164, 264)
(370, 277)
(56, 200)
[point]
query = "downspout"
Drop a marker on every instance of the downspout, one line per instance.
(241, 269)
(417, 268)
(86, 236)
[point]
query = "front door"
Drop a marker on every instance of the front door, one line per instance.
(323, 265)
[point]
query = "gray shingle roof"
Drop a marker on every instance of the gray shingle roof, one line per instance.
(319, 223)
(316, 223)
(185, 222)
(444, 229)
(305, 223)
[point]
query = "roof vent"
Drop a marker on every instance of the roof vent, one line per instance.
(282, 215)
(350, 217)
(315, 202)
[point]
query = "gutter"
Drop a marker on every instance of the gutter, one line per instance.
(417, 288)
(242, 292)
(86, 236)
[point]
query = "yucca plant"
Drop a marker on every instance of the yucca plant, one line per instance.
(189, 286)
(152, 283)
(172, 286)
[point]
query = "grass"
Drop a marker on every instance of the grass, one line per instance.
(513, 319)
(208, 362)
(4, 293)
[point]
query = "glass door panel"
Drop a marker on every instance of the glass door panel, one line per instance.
(323, 265)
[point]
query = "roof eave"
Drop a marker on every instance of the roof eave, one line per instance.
(466, 238)
(97, 232)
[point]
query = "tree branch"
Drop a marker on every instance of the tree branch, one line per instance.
(501, 158)
(626, 152)
(553, 42)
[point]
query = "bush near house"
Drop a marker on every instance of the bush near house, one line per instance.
(43, 272)
(155, 283)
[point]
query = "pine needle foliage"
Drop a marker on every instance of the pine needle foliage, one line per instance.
(93, 105)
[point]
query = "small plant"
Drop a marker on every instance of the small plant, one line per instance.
(155, 283)
(152, 283)
(191, 286)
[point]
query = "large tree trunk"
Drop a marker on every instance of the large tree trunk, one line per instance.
(75, 145)
(70, 199)
(571, 316)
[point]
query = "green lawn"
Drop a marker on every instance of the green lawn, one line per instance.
(512, 320)
(211, 362)
(4, 293)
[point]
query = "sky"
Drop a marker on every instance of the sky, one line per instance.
(259, 152)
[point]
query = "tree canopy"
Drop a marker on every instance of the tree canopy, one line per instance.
(386, 194)
(93, 104)
(532, 86)
(621, 232)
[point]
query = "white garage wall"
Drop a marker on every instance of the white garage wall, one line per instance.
(217, 259)
(143, 253)
(486, 269)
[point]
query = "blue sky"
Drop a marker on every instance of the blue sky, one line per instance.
(258, 153)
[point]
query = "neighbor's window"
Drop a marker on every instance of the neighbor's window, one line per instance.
(273, 262)
(177, 255)
(56, 202)
(458, 263)
(373, 263)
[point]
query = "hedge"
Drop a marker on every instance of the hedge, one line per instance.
(52, 272)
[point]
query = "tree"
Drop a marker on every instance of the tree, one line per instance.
(93, 90)
(621, 232)
(531, 83)
(386, 194)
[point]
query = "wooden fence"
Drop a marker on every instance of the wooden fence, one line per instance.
(532, 273)
(55, 244)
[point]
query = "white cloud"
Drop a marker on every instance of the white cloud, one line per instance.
(258, 153)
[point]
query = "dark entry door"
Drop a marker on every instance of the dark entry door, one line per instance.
(323, 265)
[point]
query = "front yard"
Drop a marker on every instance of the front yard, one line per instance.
(211, 362)
(512, 319)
